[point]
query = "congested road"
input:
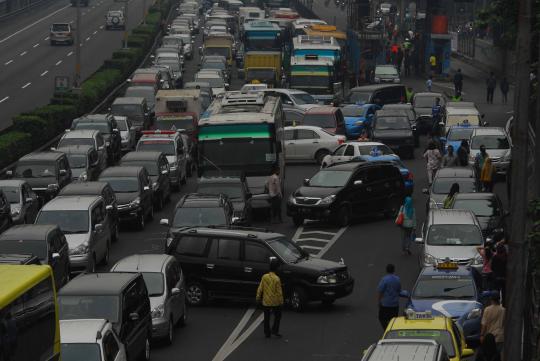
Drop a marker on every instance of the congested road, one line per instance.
(29, 64)
(233, 331)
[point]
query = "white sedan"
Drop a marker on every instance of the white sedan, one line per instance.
(349, 150)
(307, 143)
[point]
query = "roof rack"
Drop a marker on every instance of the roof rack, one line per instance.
(239, 98)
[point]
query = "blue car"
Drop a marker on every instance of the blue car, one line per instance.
(358, 118)
(407, 175)
(450, 290)
(455, 135)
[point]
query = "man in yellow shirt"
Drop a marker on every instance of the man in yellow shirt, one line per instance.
(271, 294)
(433, 63)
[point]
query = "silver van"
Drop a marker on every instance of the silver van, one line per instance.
(406, 350)
(84, 221)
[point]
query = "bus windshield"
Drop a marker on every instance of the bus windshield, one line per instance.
(237, 152)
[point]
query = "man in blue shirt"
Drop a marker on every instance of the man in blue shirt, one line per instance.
(389, 291)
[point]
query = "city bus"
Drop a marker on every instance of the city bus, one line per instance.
(29, 327)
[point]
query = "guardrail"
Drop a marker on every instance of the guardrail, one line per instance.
(23, 9)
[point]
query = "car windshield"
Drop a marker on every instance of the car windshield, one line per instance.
(214, 82)
(359, 97)
(122, 184)
(35, 171)
(122, 125)
(300, 98)
(164, 146)
(385, 70)
(60, 27)
(330, 178)
(490, 142)
(35, 248)
(13, 194)
(444, 286)
(102, 127)
(126, 109)
(452, 235)
(480, 207)
(115, 13)
(287, 250)
(319, 120)
(459, 134)
(88, 306)
(66, 142)
(425, 102)
(80, 352)
(308, 81)
(201, 217)
(392, 123)
(217, 51)
(367, 149)
(443, 185)
(154, 283)
(77, 160)
(174, 64)
(353, 111)
(233, 191)
(70, 222)
(213, 65)
(442, 337)
(151, 167)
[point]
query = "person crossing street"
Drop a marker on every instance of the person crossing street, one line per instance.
(458, 83)
(270, 295)
(389, 290)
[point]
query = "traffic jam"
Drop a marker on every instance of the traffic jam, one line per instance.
(236, 96)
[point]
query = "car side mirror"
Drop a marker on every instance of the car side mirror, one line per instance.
(405, 294)
(306, 181)
(146, 188)
(165, 171)
(467, 352)
(419, 240)
(164, 222)
(425, 190)
(134, 316)
(109, 207)
(101, 147)
(98, 227)
(53, 148)
(175, 291)
(115, 130)
(63, 172)
(227, 86)
(249, 195)
(29, 200)
(358, 182)
(55, 255)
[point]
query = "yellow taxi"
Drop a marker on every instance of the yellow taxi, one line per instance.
(423, 325)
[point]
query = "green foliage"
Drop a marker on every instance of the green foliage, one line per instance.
(153, 18)
(500, 16)
(139, 41)
(37, 127)
(97, 86)
(148, 29)
(58, 117)
(14, 145)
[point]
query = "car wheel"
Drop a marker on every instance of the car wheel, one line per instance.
(141, 221)
(145, 354)
(107, 255)
(298, 221)
(182, 322)
(319, 156)
(343, 216)
(116, 234)
(298, 299)
(196, 294)
(92, 265)
(170, 333)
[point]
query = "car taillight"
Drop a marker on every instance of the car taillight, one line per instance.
(340, 141)
(409, 176)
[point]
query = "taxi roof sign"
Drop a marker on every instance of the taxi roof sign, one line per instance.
(410, 314)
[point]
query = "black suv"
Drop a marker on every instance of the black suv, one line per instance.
(200, 210)
(223, 263)
(133, 189)
(121, 298)
(46, 242)
(344, 190)
(106, 124)
(392, 127)
(106, 192)
(158, 168)
(236, 190)
(46, 172)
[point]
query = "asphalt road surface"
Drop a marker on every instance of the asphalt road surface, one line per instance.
(29, 64)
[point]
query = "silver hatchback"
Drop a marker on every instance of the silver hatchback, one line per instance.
(166, 289)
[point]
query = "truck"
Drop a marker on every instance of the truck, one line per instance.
(263, 66)
(219, 45)
(179, 109)
(317, 77)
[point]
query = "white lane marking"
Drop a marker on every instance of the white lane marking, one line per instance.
(35, 45)
(44, 73)
(23, 53)
(236, 339)
(102, 26)
(70, 53)
(94, 33)
(88, 38)
(83, 14)
(58, 62)
(8, 62)
(4, 99)
(72, 21)
(47, 38)
(26, 85)
(34, 23)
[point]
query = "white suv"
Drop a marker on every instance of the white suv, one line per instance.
(80, 337)
(115, 20)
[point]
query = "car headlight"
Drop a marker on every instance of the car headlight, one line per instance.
(53, 187)
(475, 313)
(80, 249)
(173, 168)
(478, 260)
(329, 278)
(292, 199)
(328, 200)
(360, 122)
(397, 80)
(135, 203)
(429, 259)
(377, 79)
(83, 177)
(15, 212)
(507, 157)
(158, 311)
(154, 185)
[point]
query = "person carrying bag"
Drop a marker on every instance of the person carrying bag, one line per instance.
(406, 220)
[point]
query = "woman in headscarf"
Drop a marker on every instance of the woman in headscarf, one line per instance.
(449, 200)
(488, 349)
(486, 176)
(408, 225)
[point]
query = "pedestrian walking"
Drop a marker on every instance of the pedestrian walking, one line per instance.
(407, 63)
(433, 158)
(409, 93)
(450, 159)
(488, 350)
(487, 254)
(486, 176)
(270, 294)
(389, 290)
(498, 269)
(451, 196)
(433, 63)
(429, 83)
(463, 153)
(406, 219)
(480, 158)
(493, 321)
(399, 59)
(458, 83)
(505, 87)
(274, 191)
(491, 84)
